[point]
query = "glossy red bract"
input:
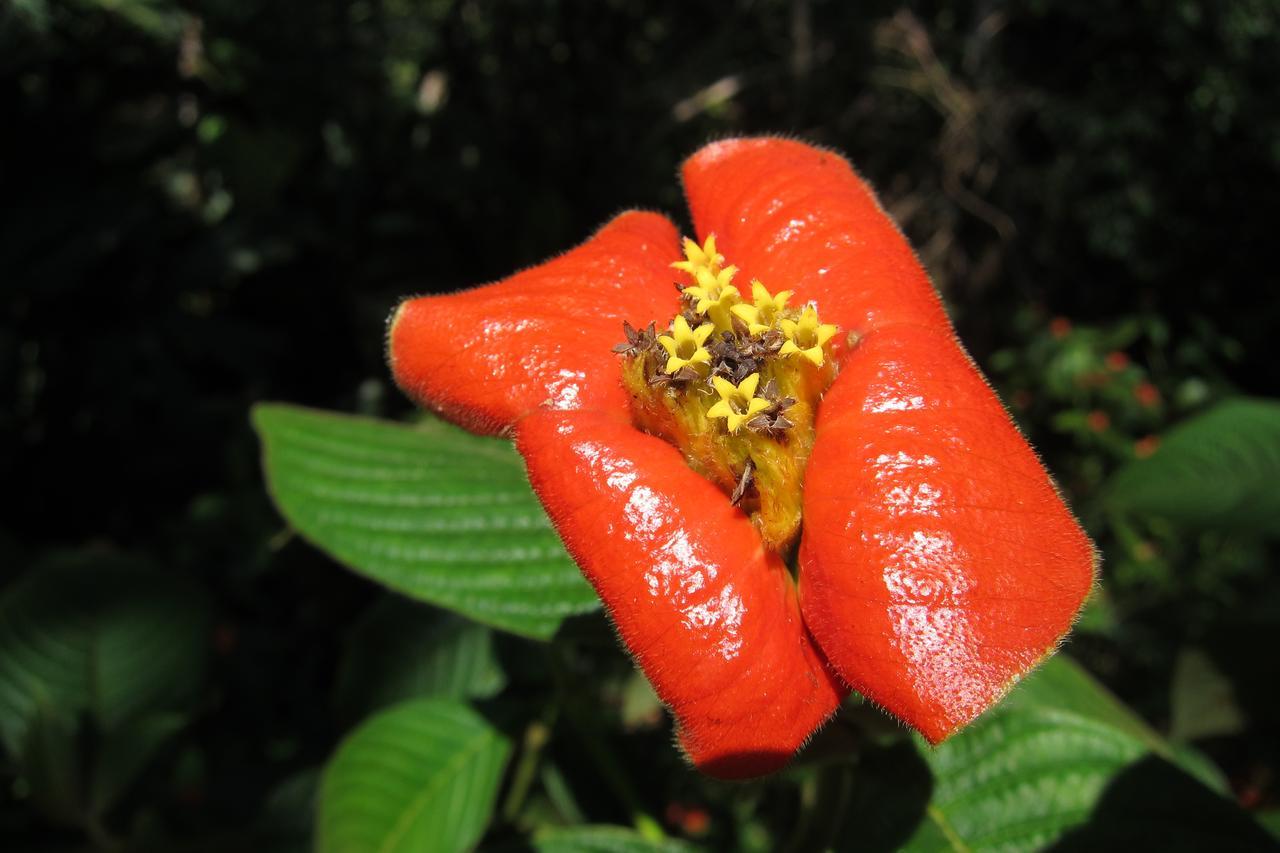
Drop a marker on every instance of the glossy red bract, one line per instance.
(937, 564)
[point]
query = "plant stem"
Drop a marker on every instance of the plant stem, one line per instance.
(536, 735)
(646, 825)
(823, 795)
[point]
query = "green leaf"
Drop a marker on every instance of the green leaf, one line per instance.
(1063, 684)
(98, 635)
(403, 650)
(124, 753)
(1217, 469)
(50, 763)
(1270, 821)
(421, 776)
(1060, 683)
(1099, 615)
(157, 19)
(431, 512)
(1062, 762)
(1202, 699)
(641, 708)
(604, 839)
(288, 817)
(1020, 780)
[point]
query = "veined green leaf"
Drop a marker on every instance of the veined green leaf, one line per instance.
(1064, 685)
(1218, 469)
(95, 634)
(1061, 762)
(421, 776)
(404, 650)
(431, 512)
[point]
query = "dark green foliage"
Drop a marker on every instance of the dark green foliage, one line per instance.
(1219, 470)
(212, 204)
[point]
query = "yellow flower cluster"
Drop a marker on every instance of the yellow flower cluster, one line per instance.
(734, 382)
(713, 298)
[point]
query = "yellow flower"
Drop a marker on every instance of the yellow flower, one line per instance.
(684, 345)
(712, 291)
(714, 297)
(700, 257)
(766, 311)
(806, 337)
(738, 403)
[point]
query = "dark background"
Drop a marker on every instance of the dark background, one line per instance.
(209, 204)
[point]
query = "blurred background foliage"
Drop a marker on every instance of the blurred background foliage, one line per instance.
(211, 203)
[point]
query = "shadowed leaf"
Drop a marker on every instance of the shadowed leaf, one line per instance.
(98, 635)
(1061, 761)
(1219, 469)
(402, 650)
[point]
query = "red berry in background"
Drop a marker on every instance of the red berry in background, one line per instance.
(1116, 360)
(1147, 394)
(1145, 446)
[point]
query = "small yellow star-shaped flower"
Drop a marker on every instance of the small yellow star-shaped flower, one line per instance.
(738, 403)
(684, 345)
(766, 311)
(714, 296)
(700, 257)
(806, 336)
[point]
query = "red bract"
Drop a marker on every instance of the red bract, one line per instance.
(937, 562)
